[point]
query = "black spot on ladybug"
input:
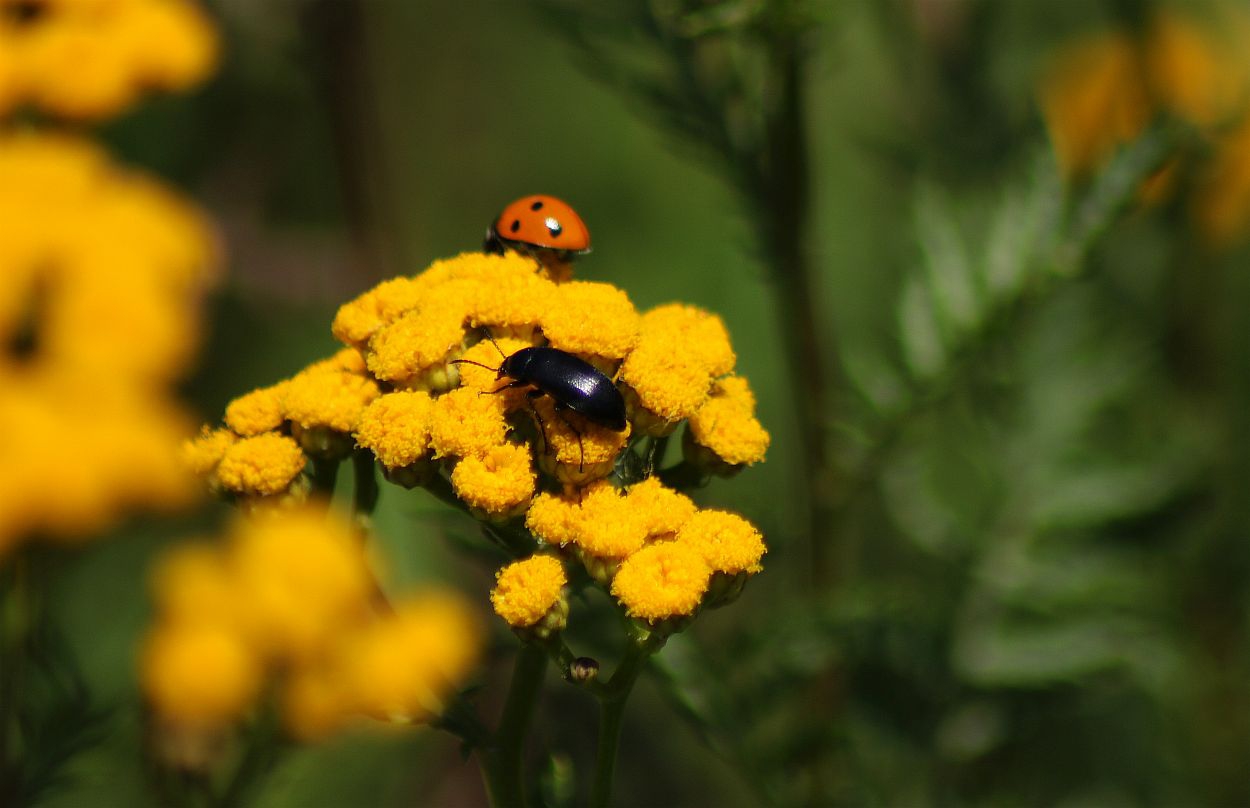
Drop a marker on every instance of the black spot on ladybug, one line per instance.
(515, 226)
(553, 227)
(537, 205)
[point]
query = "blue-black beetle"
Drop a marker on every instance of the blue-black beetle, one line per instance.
(573, 384)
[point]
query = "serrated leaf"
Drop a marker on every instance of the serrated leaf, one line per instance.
(946, 262)
(923, 348)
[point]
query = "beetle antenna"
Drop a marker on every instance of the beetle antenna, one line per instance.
(496, 344)
(471, 362)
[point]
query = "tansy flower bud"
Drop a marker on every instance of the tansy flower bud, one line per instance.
(723, 436)
(591, 319)
(496, 484)
(670, 371)
(662, 510)
(256, 412)
(263, 465)
(396, 428)
(662, 581)
(597, 520)
(727, 542)
(529, 594)
(463, 423)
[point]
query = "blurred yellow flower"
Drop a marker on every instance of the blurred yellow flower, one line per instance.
(199, 674)
(290, 596)
(93, 60)
(303, 577)
(1101, 92)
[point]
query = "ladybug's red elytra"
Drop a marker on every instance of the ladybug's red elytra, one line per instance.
(539, 222)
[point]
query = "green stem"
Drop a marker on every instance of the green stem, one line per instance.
(14, 623)
(365, 497)
(612, 714)
(263, 751)
(506, 762)
(324, 474)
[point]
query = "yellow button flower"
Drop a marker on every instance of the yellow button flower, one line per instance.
(498, 482)
(262, 465)
(420, 340)
(726, 424)
(661, 581)
(465, 423)
(596, 519)
(662, 510)
(727, 542)
(359, 319)
(256, 412)
(326, 398)
(670, 371)
(396, 427)
(591, 318)
(580, 449)
(525, 591)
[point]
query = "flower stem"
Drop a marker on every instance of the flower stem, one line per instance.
(611, 716)
(365, 496)
(324, 474)
(504, 764)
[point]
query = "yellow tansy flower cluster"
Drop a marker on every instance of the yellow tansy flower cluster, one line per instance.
(91, 59)
(419, 387)
(616, 534)
(1101, 92)
(290, 600)
(270, 433)
(101, 272)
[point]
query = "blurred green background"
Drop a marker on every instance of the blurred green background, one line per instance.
(1030, 585)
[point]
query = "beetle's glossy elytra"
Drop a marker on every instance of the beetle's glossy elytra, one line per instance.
(573, 383)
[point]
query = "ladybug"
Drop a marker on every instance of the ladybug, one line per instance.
(540, 225)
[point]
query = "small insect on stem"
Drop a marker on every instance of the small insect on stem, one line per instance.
(572, 383)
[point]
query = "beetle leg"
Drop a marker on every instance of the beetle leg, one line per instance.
(530, 396)
(581, 459)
